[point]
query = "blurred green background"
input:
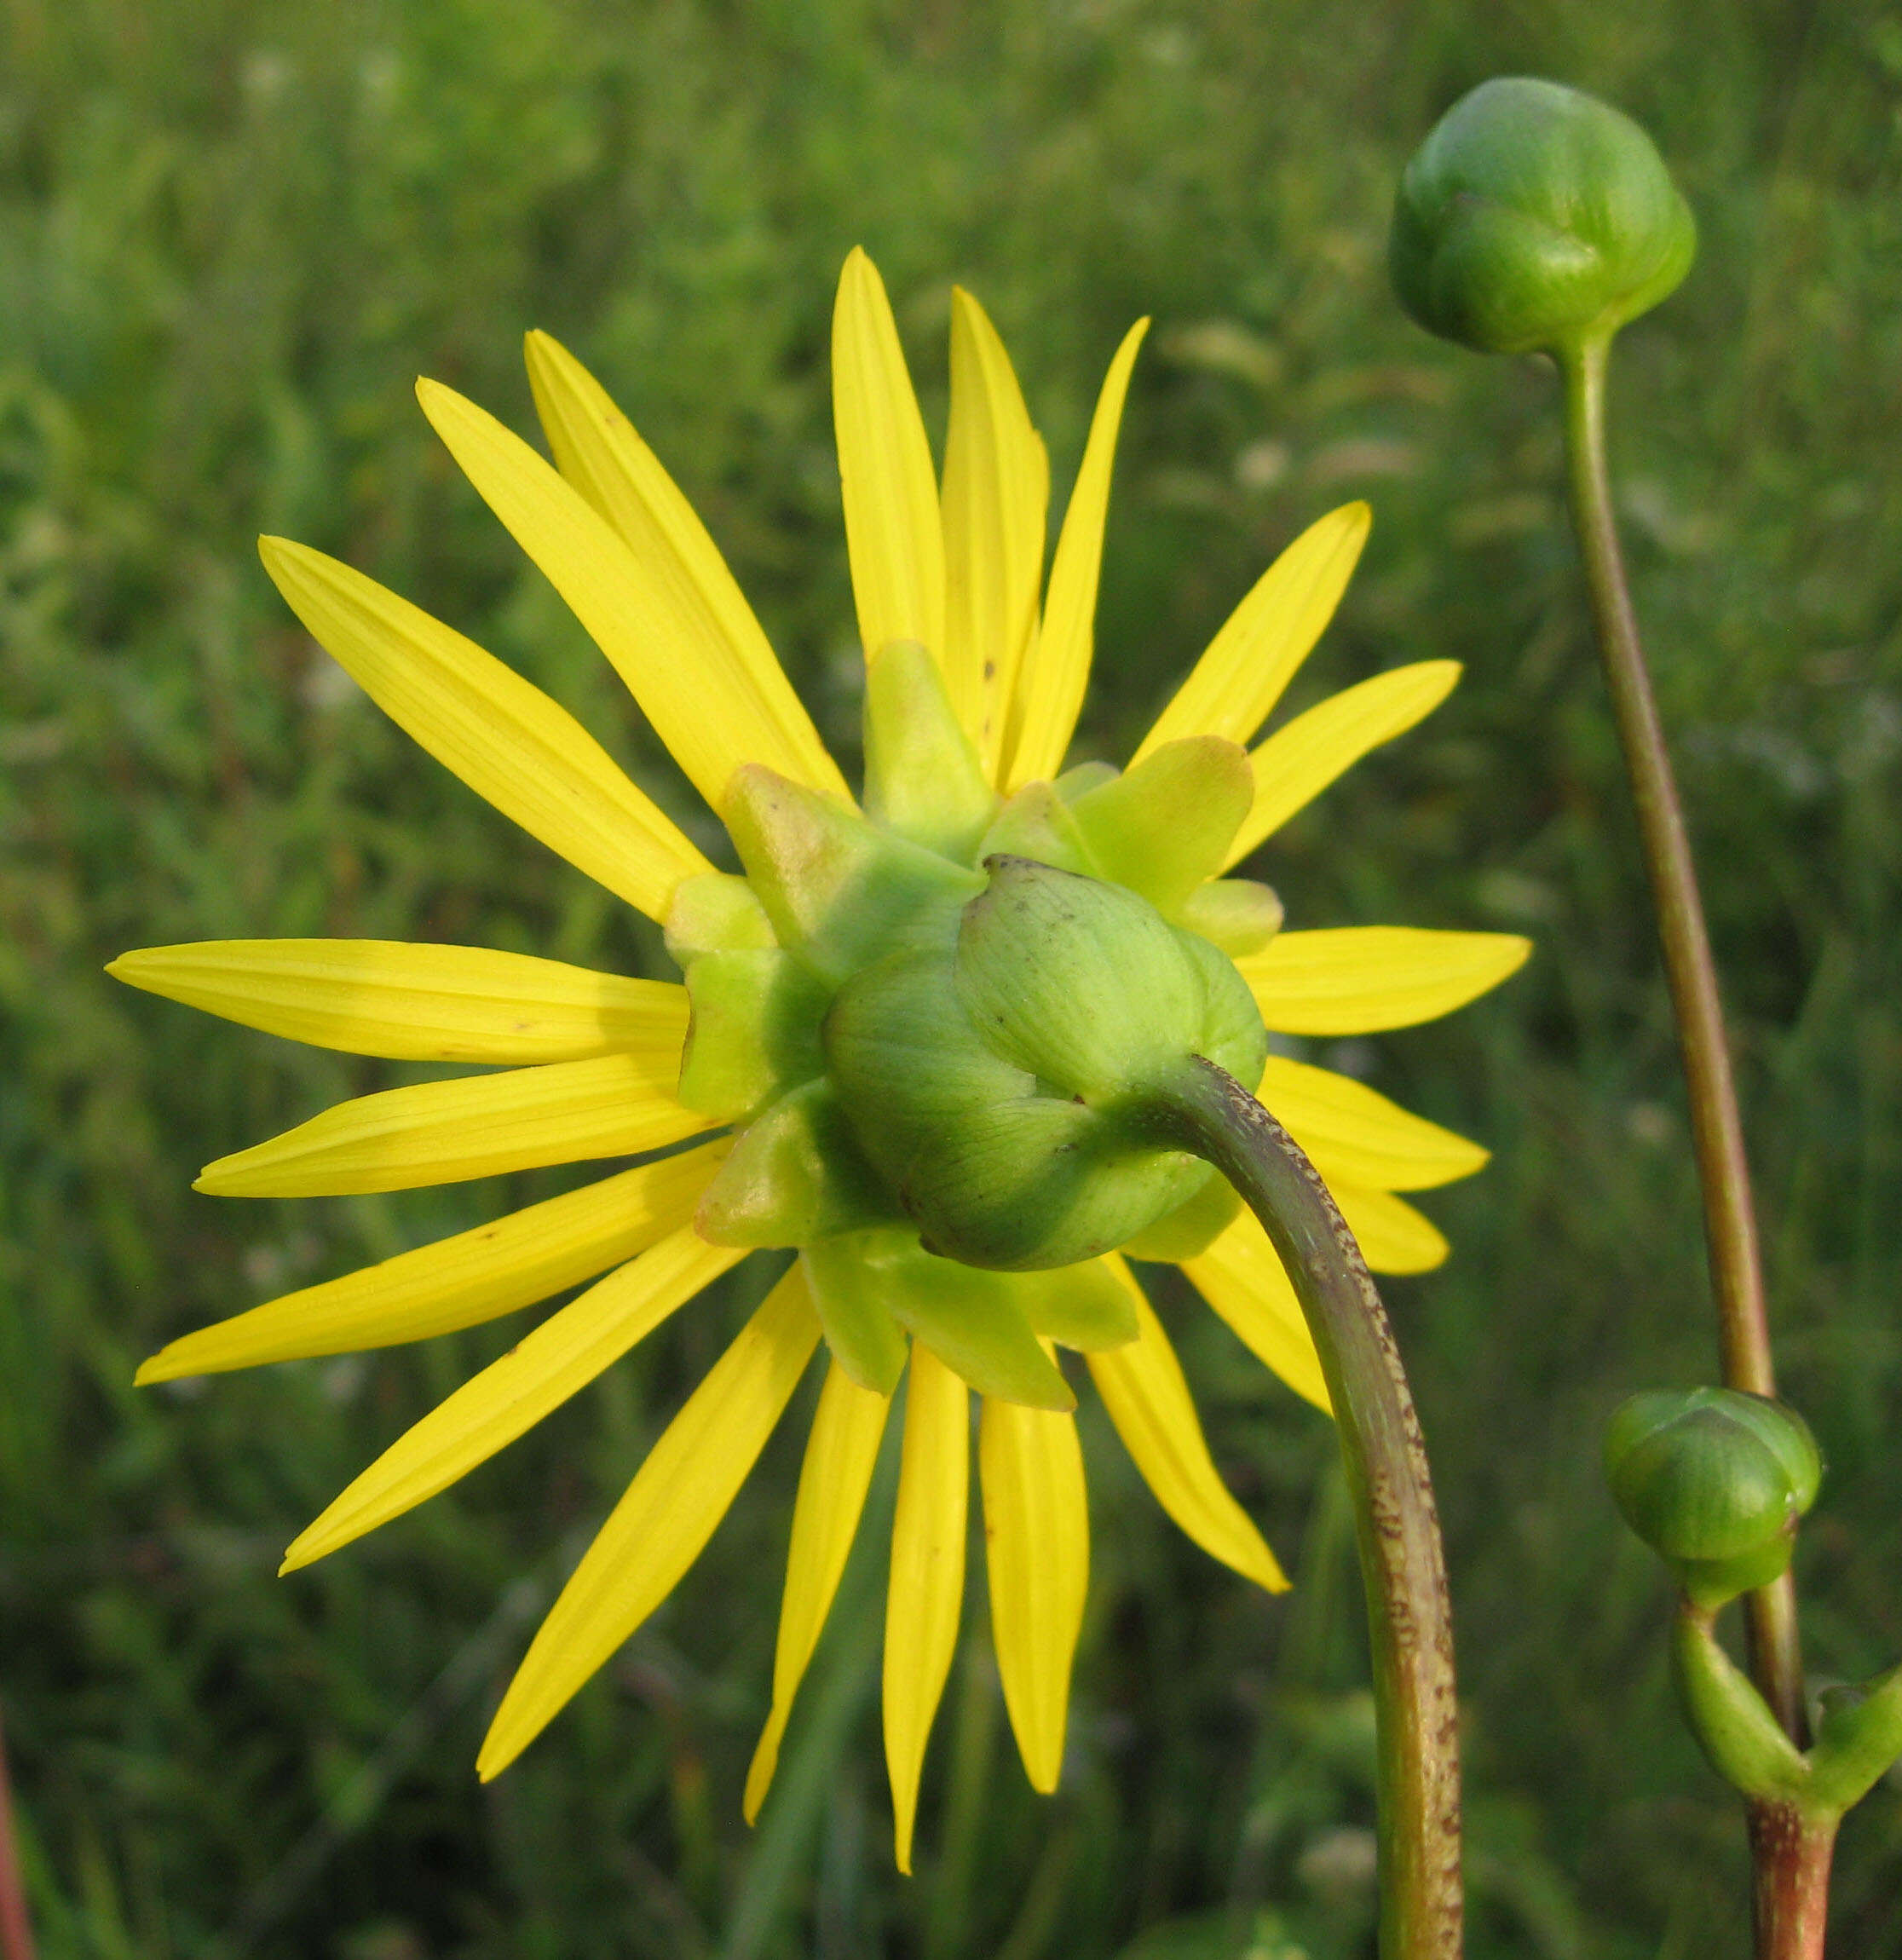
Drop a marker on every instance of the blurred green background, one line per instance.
(231, 233)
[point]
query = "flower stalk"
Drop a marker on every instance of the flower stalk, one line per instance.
(1790, 1855)
(1717, 1133)
(1203, 1108)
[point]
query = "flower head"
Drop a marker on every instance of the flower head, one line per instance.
(862, 1065)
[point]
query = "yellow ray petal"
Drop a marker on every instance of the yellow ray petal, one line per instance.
(458, 1282)
(892, 533)
(996, 487)
(664, 1519)
(692, 598)
(1143, 1387)
(926, 1590)
(1056, 667)
(483, 722)
(1358, 979)
(1297, 761)
(711, 706)
(1242, 1277)
(1238, 680)
(548, 1365)
(413, 1002)
(1355, 1133)
(841, 1453)
(1037, 1552)
(1393, 1237)
(474, 1127)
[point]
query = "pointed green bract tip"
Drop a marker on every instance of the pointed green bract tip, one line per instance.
(1536, 217)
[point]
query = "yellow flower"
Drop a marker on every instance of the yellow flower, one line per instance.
(593, 1061)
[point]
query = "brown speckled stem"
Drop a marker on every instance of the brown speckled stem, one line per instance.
(1205, 1109)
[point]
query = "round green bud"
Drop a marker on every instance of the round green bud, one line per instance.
(1535, 217)
(1713, 1480)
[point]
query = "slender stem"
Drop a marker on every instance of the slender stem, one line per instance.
(1790, 1851)
(16, 1931)
(1717, 1134)
(1205, 1109)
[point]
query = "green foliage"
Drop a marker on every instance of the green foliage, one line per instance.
(230, 235)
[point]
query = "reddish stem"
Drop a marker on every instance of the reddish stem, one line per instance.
(16, 1931)
(1792, 1855)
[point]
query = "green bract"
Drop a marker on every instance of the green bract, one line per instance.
(933, 1023)
(1536, 217)
(1713, 1480)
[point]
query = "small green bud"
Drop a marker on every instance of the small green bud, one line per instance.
(1535, 217)
(1713, 1481)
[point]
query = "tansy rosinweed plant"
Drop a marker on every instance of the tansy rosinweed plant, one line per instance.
(909, 1029)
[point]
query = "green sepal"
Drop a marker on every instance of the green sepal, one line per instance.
(795, 1175)
(1084, 1306)
(1235, 914)
(838, 890)
(923, 777)
(1085, 777)
(1858, 1739)
(855, 1309)
(1745, 1743)
(1040, 1182)
(1165, 826)
(1192, 1227)
(753, 1031)
(1709, 1583)
(907, 1058)
(1077, 980)
(973, 1322)
(715, 911)
(1036, 823)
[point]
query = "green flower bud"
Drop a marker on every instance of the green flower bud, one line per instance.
(1713, 1480)
(1536, 217)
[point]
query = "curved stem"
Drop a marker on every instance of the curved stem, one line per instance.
(1204, 1110)
(1717, 1133)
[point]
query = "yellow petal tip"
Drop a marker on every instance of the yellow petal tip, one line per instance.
(493, 1759)
(435, 395)
(279, 555)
